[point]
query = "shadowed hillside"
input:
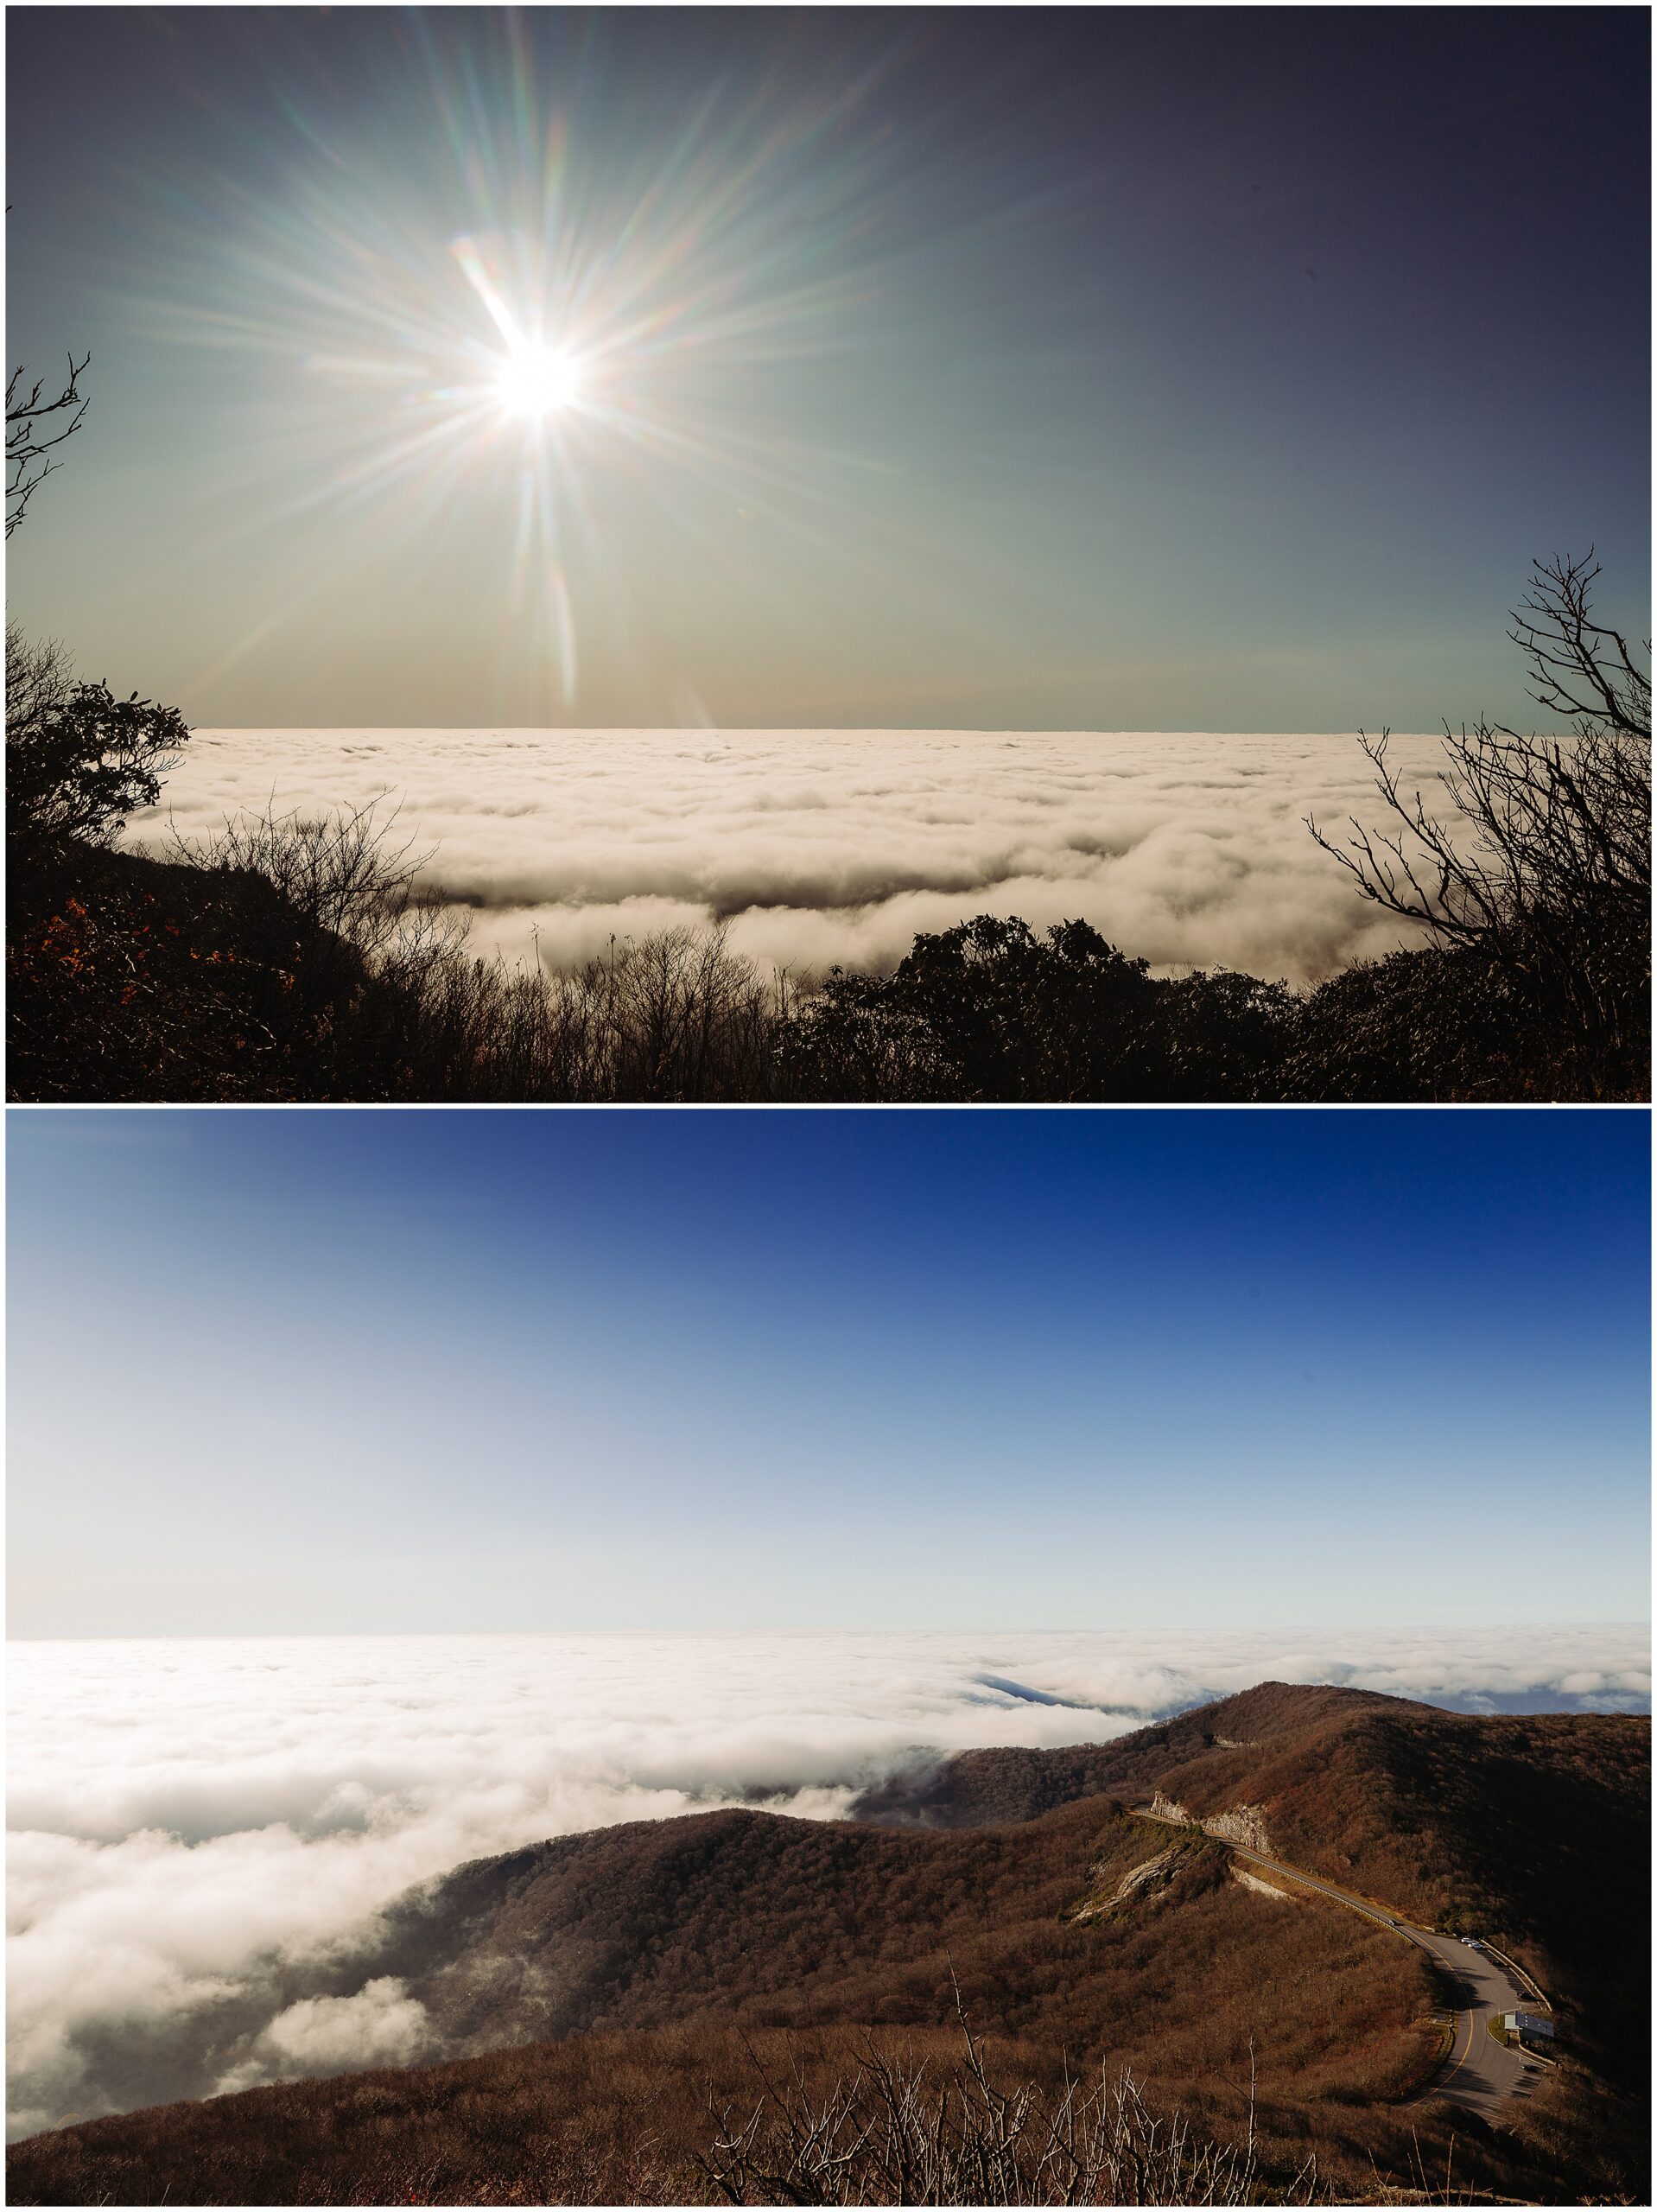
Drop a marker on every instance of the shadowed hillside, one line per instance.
(1016, 1886)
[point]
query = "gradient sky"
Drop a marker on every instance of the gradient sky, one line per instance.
(1089, 368)
(320, 1370)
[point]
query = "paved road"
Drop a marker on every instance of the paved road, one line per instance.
(1482, 2075)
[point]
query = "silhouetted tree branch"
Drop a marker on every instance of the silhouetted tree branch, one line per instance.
(1570, 654)
(32, 433)
(1545, 867)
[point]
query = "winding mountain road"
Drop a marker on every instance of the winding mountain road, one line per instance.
(1481, 2074)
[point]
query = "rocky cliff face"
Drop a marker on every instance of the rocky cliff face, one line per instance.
(1244, 1824)
(1155, 1873)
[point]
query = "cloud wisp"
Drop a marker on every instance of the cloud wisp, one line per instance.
(824, 847)
(194, 1821)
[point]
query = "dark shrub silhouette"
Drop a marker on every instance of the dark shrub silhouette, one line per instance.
(1430, 1025)
(78, 760)
(988, 1010)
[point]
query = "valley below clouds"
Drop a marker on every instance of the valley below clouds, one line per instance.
(817, 847)
(193, 1821)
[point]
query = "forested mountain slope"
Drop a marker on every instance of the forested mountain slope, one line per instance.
(1017, 1887)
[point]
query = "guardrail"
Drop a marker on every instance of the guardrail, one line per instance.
(1529, 1980)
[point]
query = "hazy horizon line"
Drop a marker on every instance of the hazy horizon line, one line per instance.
(1216, 1628)
(832, 730)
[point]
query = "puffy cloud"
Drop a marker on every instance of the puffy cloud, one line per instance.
(381, 2026)
(196, 1823)
(823, 846)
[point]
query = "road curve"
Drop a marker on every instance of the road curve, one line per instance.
(1481, 2074)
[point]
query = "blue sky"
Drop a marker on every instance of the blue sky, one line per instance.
(344, 1372)
(1114, 368)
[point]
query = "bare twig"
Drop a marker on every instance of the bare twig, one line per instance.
(29, 442)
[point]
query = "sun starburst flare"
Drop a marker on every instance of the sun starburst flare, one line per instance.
(582, 329)
(534, 382)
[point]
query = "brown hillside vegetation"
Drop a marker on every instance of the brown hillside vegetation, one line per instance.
(1533, 1831)
(647, 1952)
(625, 2118)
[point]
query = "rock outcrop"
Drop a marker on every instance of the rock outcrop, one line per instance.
(1243, 1824)
(1151, 1874)
(1255, 1882)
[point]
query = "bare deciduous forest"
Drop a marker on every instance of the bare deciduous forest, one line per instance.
(736, 1971)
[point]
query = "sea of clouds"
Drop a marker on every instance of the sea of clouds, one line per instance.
(192, 1820)
(825, 847)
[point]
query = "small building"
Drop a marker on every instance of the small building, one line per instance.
(1522, 2025)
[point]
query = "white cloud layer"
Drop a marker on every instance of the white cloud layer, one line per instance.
(192, 1819)
(381, 2026)
(819, 847)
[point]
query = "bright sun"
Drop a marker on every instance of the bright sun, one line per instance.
(536, 381)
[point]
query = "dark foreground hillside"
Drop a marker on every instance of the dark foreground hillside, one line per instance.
(132, 979)
(670, 1959)
(140, 980)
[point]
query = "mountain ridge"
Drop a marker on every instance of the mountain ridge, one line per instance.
(760, 1924)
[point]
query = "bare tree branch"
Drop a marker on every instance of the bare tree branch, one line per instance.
(1544, 866)
(30, 441)
(893, 2134)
